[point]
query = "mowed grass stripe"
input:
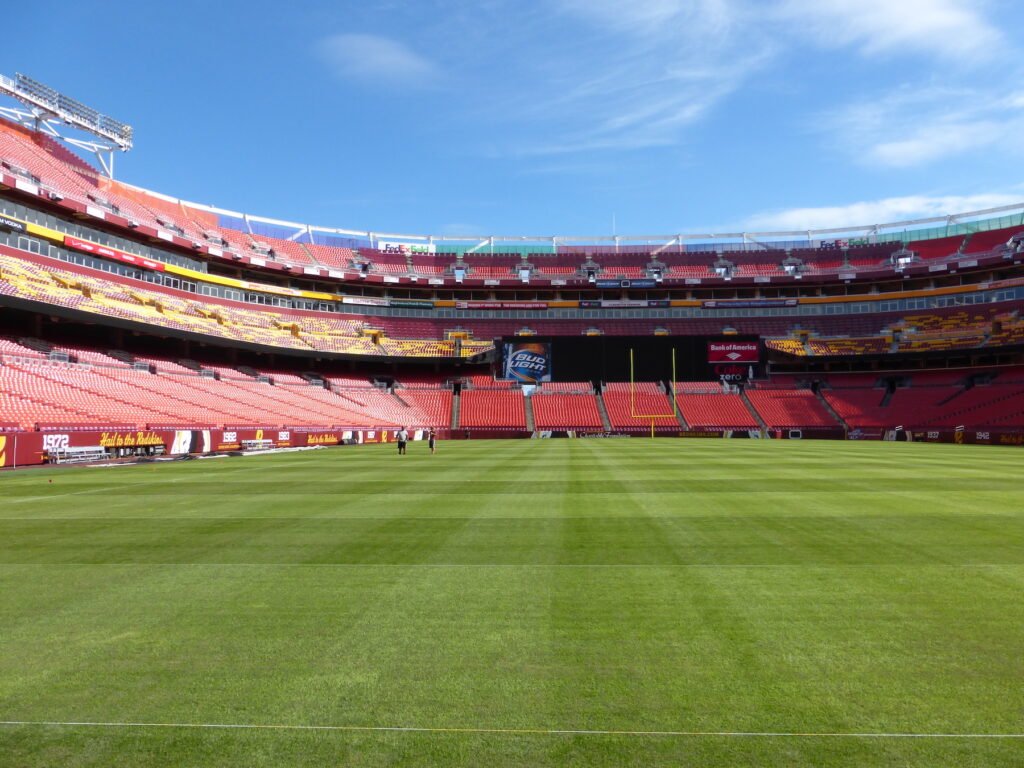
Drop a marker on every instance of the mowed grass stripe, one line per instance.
(631, 610)
(518, 731)
(709, 540)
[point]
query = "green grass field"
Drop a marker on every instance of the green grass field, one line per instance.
(840, 593)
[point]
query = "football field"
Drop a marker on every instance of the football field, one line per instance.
(531, 603)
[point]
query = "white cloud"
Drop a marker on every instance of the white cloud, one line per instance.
(942, 28)
(870, 212)
(655, 17)
(577, 76)
(644, 71)
(932, 142)
(375, 59)
(652, 68)
(912, 127)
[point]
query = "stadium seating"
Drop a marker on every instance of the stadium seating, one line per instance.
(565, 411)
(939, 248)
(331, 256)
(577, 387)
(347, 382)
(43, 391)
(64, 172)
(721, 411)
(634, 411)
(875, 345)
(428, 408)
(486, 381)
(979, 242)
(492, 409)
(104, 389)
(91, 291)
(99, 386)
(788, 409)
(84, 289)
(414, 380)
(12, 347)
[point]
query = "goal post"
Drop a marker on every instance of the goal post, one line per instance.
(632, 393)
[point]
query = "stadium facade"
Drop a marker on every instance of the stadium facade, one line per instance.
(136, 322)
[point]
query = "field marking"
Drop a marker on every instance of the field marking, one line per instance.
(488, 518)
(516, 565)
(151, 481)
(519, 731)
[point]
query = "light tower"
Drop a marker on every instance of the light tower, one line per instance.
(48, 111)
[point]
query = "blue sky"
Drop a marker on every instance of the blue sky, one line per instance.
(551, 117)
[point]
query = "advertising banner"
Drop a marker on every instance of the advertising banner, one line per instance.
(15, 225)
(527, 362)
(643, 282)
(19, 449)
(843, 243)
(734, 373)
(748, 303)
(622, 303)
(388, 246)
(111, 253)
(733, 352)
(501, 305)
(365, 301)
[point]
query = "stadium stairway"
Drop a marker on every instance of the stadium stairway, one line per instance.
(606, 423)
(531, 422)
(679, 411)
(456, 407)
(890, 390)
(309, 253)
(124, 357)
(754, 413)
(835, 414)
(36, 344)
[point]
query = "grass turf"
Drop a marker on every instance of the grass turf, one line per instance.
(619, 585)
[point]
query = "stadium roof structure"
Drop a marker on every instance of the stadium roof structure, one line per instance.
(48, 110)
(838, 237)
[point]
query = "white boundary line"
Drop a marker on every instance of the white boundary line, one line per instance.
(810, 566)
(520, 731)
(431, 518)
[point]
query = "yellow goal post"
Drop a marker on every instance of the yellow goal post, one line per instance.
(632, 393)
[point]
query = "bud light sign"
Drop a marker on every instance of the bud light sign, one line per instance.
(527, 363)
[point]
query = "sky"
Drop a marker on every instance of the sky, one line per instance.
(550, 117)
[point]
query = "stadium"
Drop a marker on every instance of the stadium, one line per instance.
(129, 311)
(838, 587)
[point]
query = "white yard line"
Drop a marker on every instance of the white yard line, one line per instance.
(121, 486)
(520, 731)
(517, 565)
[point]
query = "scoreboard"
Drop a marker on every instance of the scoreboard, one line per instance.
(732, 358)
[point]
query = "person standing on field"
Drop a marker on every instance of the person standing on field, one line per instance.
(403, 438)
(431, 439)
